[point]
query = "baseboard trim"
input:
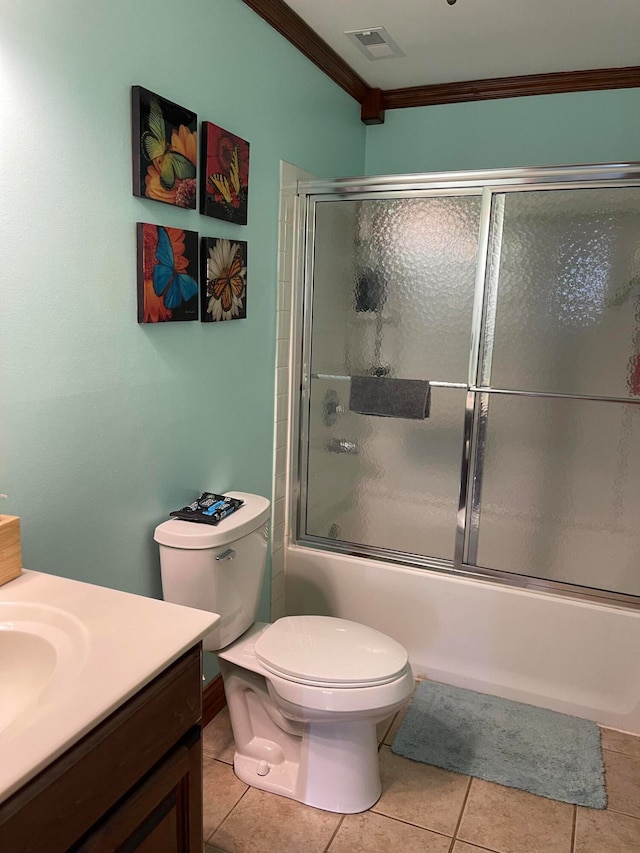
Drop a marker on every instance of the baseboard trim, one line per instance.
(213, 700)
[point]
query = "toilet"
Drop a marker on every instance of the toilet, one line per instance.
(305, 693)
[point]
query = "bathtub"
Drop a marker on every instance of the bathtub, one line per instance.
(566, 654)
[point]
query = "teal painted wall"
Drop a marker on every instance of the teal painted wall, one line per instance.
(107, 425)
(583, 127)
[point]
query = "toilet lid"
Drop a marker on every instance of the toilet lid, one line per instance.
(322, 650)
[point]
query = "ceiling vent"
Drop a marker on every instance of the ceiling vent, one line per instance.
(375, 43)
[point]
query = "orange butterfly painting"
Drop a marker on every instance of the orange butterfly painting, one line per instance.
(224, 174)
(223, 293)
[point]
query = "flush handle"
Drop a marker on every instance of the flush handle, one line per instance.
(229, 554)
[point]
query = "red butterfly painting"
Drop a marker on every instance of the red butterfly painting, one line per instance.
(224, 174)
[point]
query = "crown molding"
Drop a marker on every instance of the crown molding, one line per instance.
(512, 87)
(290, 25)
(375, 101)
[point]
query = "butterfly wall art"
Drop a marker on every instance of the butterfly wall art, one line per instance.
(167, 274)
(224, 174)
(223, 278)
(165, 149)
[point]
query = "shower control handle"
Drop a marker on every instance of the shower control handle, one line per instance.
(343, 445)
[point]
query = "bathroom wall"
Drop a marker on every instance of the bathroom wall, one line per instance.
(107, 425)
(576, 127)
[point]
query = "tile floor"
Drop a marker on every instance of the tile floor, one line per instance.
(422, 810)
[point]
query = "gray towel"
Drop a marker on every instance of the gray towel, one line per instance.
(390, 398)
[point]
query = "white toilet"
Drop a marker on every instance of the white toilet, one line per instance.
(304, 693)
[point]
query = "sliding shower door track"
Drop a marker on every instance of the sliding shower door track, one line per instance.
(494, 576)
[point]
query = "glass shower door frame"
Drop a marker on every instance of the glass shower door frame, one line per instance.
(481, 391)
(299, 460)
(493, 185)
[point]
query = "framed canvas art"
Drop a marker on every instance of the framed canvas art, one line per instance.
(223, 280)
(167, 274)
(164, 148)
(224, 174)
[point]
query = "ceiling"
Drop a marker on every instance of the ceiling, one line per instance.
(479, 39)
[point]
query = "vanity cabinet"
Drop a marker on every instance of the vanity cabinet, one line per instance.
(132, 783)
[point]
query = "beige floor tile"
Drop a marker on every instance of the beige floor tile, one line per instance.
(420, 793)
(463, 847)
(266, 823)
(620, 742)
(373, 833)
(221, 791)
(623, 782)
(217, 738)
(606, 832)
(512, 821)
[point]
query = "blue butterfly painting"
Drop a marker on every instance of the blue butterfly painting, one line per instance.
(166, 289)
(173, 286)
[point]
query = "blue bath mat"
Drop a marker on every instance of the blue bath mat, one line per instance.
(521, 746)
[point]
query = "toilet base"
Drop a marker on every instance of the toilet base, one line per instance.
(330, 765)
(337, 768)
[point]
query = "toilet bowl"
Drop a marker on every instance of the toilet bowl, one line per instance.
(305, 693)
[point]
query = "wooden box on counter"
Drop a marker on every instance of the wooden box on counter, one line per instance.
(10, 551)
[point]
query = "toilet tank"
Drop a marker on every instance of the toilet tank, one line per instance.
(217, 567)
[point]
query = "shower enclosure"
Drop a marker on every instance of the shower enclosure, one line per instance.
(516, 295)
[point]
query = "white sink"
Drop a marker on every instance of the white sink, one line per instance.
(70, 654)
(42, 649)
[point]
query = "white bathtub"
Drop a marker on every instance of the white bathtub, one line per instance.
(565, 654)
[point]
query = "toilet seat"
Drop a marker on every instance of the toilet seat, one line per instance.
(323, 651)
(325, 700)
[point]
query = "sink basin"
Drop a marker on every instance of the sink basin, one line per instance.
(71, 653)
(42, 650)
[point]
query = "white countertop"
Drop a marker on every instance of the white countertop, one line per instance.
(124, 641)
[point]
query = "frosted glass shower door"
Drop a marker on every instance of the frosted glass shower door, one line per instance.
(392, 295)
(557, 464)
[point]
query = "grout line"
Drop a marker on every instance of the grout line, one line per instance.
(573, 830)
(406, 822)
(387, 730)
(334, 833)
(210, 836)
(617, 811)
(619, 752)
(464, 805)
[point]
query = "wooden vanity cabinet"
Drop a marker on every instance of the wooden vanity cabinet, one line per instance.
(133, 783)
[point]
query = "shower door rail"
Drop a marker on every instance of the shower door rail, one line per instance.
(495, 188)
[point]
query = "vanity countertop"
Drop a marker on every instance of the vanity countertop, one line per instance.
(87, 650)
